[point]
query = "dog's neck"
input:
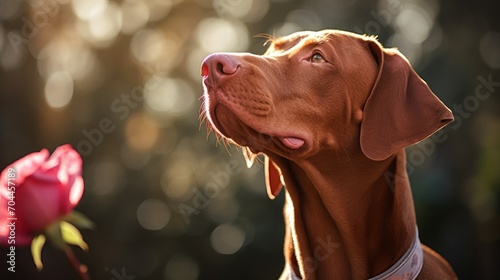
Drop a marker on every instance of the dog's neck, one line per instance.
(349, 220)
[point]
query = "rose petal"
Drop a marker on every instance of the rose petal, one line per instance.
(74, 162)
(48, 170)
(70, 163)
(66, 152)
(24, 167)
(38, 203)
(51, 169)
(76, 191)
(69, 175)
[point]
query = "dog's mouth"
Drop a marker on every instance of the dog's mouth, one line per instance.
(235, 125)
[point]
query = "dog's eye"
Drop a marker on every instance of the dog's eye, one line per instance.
(317, 58)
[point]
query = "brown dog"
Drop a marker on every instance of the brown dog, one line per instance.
(332, 112)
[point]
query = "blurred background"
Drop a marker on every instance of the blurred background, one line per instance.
(120, 81)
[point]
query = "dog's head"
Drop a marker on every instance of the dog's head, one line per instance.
(313, 92)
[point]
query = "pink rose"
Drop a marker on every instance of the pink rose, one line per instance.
(45, 190)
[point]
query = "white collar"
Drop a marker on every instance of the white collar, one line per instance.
(406, 268)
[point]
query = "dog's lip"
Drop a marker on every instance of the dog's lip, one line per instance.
(261, 137)
(219, 128)
(261, 133)
(285, 141)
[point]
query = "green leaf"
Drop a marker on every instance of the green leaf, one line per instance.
(79, 220)
(71, 235)
(53, 233)
(36, 250)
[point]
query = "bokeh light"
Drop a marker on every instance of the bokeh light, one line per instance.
(158, 9)
(88, 9)
(59, 89)
(489, 47)
(168, 97)
(147, 45)
(297, 20)
(180, 267)
(227, 239)
(248, 10)
(141, 132)
(135, 15)
(10, 9)
(103, 27)
(177, 180)
(61, 54)
(220, 35)
(153, 214)
(414, 23)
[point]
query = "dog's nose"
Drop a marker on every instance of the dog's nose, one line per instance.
(219, 65)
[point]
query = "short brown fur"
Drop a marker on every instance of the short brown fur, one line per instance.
(335, 132)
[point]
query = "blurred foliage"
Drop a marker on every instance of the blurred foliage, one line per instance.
(119, 80)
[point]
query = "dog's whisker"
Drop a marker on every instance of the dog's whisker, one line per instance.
(227, 145)
(208, 131)
(202, 120)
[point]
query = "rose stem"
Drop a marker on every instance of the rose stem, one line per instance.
(80, 268)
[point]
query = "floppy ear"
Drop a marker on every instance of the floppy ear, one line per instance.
(271, 171)
(401, 109)
(273, 178)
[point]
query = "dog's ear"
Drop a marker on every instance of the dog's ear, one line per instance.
(271, 171)
(401, 109)
(273, 178)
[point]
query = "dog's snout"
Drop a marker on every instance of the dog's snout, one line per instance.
(219, 65)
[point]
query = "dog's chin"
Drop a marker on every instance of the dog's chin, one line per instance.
(230, 126)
